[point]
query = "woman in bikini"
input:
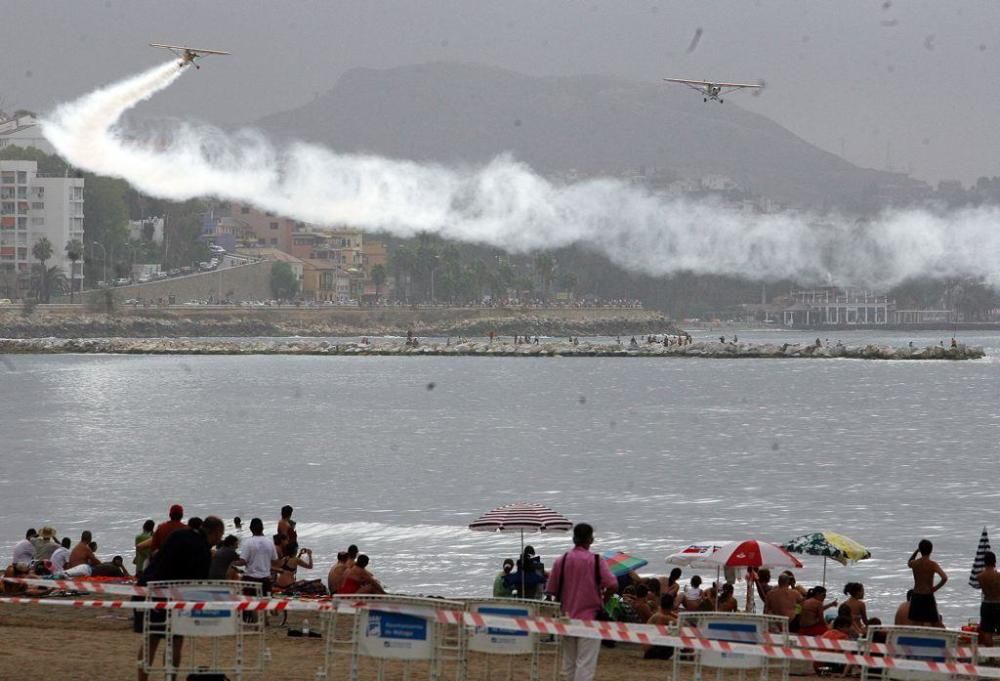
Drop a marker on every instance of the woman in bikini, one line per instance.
(811, 620)
(289, 565)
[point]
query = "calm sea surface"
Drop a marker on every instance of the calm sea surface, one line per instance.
(398, 455)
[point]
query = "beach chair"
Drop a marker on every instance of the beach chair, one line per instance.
(920, 643)
(734, 628)
(214, 640)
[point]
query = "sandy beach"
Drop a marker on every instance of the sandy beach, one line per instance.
(86, 645)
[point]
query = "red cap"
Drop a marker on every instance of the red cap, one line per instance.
(176, 510)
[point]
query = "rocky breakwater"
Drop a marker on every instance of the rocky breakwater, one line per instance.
(475, 348)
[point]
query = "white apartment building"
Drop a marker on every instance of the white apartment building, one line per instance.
(32, 207)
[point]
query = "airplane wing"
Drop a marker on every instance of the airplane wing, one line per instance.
(689, 82)
(709, 82)
(185, 47)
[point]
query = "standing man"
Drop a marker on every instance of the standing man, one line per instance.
(165, 529)
(923, 606)
(185, 555)
(989, 611)
(581, 581)
(260, 555)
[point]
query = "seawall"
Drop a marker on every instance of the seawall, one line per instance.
(478, 348)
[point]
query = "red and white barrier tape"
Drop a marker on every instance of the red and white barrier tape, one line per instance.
(614, 631)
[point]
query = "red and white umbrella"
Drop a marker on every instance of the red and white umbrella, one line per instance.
(522, 516)
(694, 555)
(752, 553)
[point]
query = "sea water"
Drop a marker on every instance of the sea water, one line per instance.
(399, 454)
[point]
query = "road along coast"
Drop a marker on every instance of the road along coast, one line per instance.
(505, 347)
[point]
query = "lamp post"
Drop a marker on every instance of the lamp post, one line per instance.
(105, 253)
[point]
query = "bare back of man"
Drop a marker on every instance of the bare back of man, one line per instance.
(989, 611)
(924, 570)
(923, 606)
(782, 601)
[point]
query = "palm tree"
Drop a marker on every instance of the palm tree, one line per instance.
(378, 277)
(74, 251)
(545, 266)
(42, 251)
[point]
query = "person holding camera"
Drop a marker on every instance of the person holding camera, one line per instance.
(289, 565)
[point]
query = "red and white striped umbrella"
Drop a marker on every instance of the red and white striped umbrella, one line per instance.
(522, 516)
(751, 553)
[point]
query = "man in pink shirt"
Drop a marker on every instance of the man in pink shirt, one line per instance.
(581, 581)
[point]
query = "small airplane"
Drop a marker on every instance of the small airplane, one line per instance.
(710, 90)
(186, 54)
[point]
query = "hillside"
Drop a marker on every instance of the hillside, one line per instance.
(469, 113)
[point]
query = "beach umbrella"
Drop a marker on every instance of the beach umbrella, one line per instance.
(693, 555)
(622, 563)
(751, 553)
(520, 517)
(979, 562)
(830, 545)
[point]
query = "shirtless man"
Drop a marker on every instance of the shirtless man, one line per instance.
(989, 611)
(782, 599)
(82, 554)
(337, 573)
(923, 607)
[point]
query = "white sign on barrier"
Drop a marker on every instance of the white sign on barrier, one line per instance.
(501, 641)
(213, 622)
(396, 635)
(735, 631)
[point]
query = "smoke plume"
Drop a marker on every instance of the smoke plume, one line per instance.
(506, 205)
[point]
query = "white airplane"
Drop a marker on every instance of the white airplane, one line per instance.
(710, 90)
(186, 54)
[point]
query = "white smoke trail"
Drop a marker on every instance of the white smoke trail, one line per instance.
(504, 204)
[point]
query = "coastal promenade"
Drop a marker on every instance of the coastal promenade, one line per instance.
(478, 348)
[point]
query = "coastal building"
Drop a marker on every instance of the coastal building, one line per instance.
(274, 255)
(33, 206)
(261, 228)
(835, 306)
(324, 280)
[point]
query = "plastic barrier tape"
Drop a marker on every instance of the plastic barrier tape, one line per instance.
(614, 631)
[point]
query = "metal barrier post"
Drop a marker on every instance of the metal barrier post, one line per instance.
(736, 628)
(919, 643)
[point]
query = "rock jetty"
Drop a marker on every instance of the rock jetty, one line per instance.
(473, 348)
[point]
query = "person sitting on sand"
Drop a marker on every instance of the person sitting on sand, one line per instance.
(902, 618)
(82, 554)
(60, 557)
(339, 570)
(116, 568)
(359, 580)
(289, 565)
(811, 619)
(45, 543)
(841, 631)
(226, 559)
(665, 616)
(24, 550)
(783, 599)
(500, 588)
(640, 603)
(923, 607)
(856, 603)
(727, 600)
(671, 586)
(692, 594)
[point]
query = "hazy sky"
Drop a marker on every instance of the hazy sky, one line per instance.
(910, 85)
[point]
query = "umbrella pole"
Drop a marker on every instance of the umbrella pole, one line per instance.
(824, 572)
(718, 571)
(523, 566)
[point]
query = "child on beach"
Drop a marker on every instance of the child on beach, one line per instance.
(665, 616)
(856, 604)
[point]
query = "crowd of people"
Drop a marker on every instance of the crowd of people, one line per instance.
(200, 549)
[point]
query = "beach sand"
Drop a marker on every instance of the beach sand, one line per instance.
(98, 644)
